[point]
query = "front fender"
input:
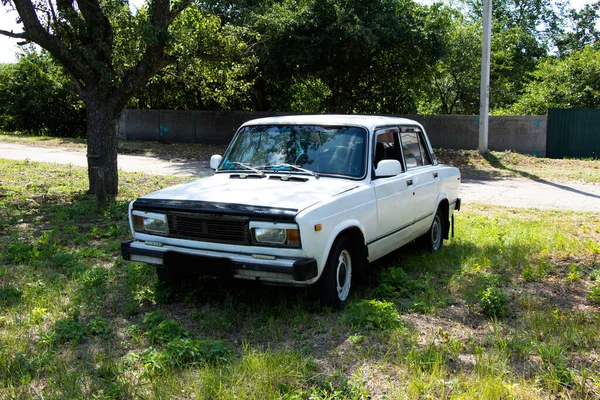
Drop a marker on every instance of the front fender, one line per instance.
(335, 233)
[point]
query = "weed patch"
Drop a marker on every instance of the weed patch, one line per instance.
(494, 302)
(595, 293)
(9, 296)
(372, 314)
(67, 330)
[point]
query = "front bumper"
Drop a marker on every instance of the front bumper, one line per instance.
(206, 262)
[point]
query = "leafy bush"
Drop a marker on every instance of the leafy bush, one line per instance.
(20, 253)
(9, 295)
(394, 282)
(160, 330)
(42, 101)
(67, 330)
(181, 353)
(595, 293)
(98, 327)
(153, 318)
(166, 331)
(373, 314)
(494, 302)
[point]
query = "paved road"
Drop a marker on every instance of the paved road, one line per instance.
(527, 193)
(520, 193)
(74, 156)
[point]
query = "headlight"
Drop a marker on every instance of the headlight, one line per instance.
(270, 233)
(150, 222)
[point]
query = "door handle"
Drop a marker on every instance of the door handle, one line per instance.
(435, 174)
(409, 182)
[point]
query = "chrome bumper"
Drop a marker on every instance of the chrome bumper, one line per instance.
(206, 262)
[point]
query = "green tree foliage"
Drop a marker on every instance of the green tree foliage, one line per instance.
(515, 55)
(216, 77)
(523, 31)
(37, 98)
(454, 87)
(354, 56)
(542, 19)
(583, 29)
(571, 82)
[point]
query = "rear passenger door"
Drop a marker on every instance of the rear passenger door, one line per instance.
(419, 163)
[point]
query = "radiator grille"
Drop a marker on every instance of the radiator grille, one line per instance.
(209, 228)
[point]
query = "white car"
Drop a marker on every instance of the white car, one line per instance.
(300, 200)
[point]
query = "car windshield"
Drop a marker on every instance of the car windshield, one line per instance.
(298, 149)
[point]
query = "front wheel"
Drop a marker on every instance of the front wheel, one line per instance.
(336, 280)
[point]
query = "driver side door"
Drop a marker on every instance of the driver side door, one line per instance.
(394, 196)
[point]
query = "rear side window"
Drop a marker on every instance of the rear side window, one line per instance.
(415, 149)
(412, 149)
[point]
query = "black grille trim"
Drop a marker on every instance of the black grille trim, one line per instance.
(213, 228)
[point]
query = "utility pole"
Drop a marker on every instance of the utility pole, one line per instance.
(484, 95)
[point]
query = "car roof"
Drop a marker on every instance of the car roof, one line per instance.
(368, 121)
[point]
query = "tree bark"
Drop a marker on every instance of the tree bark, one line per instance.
(102, 141)
(260, 97)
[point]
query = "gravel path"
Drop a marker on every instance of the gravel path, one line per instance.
(520, 193)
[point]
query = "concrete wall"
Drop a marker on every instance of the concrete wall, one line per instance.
(525, 135)
(521, 134)
(170, 126)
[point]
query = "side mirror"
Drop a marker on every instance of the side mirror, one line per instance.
(388, 168)
(215, 160)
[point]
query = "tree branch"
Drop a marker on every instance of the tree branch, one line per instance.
(100, 29)
(11, 34)
(35, 32)
(159, 13)
(92, 13)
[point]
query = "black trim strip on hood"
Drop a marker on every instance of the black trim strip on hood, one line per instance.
(281, 214)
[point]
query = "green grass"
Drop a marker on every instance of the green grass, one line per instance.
(510, 308)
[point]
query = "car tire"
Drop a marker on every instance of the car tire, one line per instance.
(336, 279)
(434, 238)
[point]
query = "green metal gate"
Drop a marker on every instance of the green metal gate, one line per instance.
(573, 133)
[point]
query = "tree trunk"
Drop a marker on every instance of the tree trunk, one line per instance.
(260, 97)
(101, 131)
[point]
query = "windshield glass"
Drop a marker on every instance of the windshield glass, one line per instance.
(298, 149)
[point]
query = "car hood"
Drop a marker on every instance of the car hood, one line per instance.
(265, 192)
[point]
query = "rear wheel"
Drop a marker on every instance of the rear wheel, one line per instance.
(336, 279)
(434, 238)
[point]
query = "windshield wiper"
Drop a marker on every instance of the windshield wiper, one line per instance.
(246, 166)
(279, 167)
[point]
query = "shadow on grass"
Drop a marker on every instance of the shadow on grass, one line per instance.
(496, 163)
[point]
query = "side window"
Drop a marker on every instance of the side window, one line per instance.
(387, 145)
(423, 148)
(412, 149)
